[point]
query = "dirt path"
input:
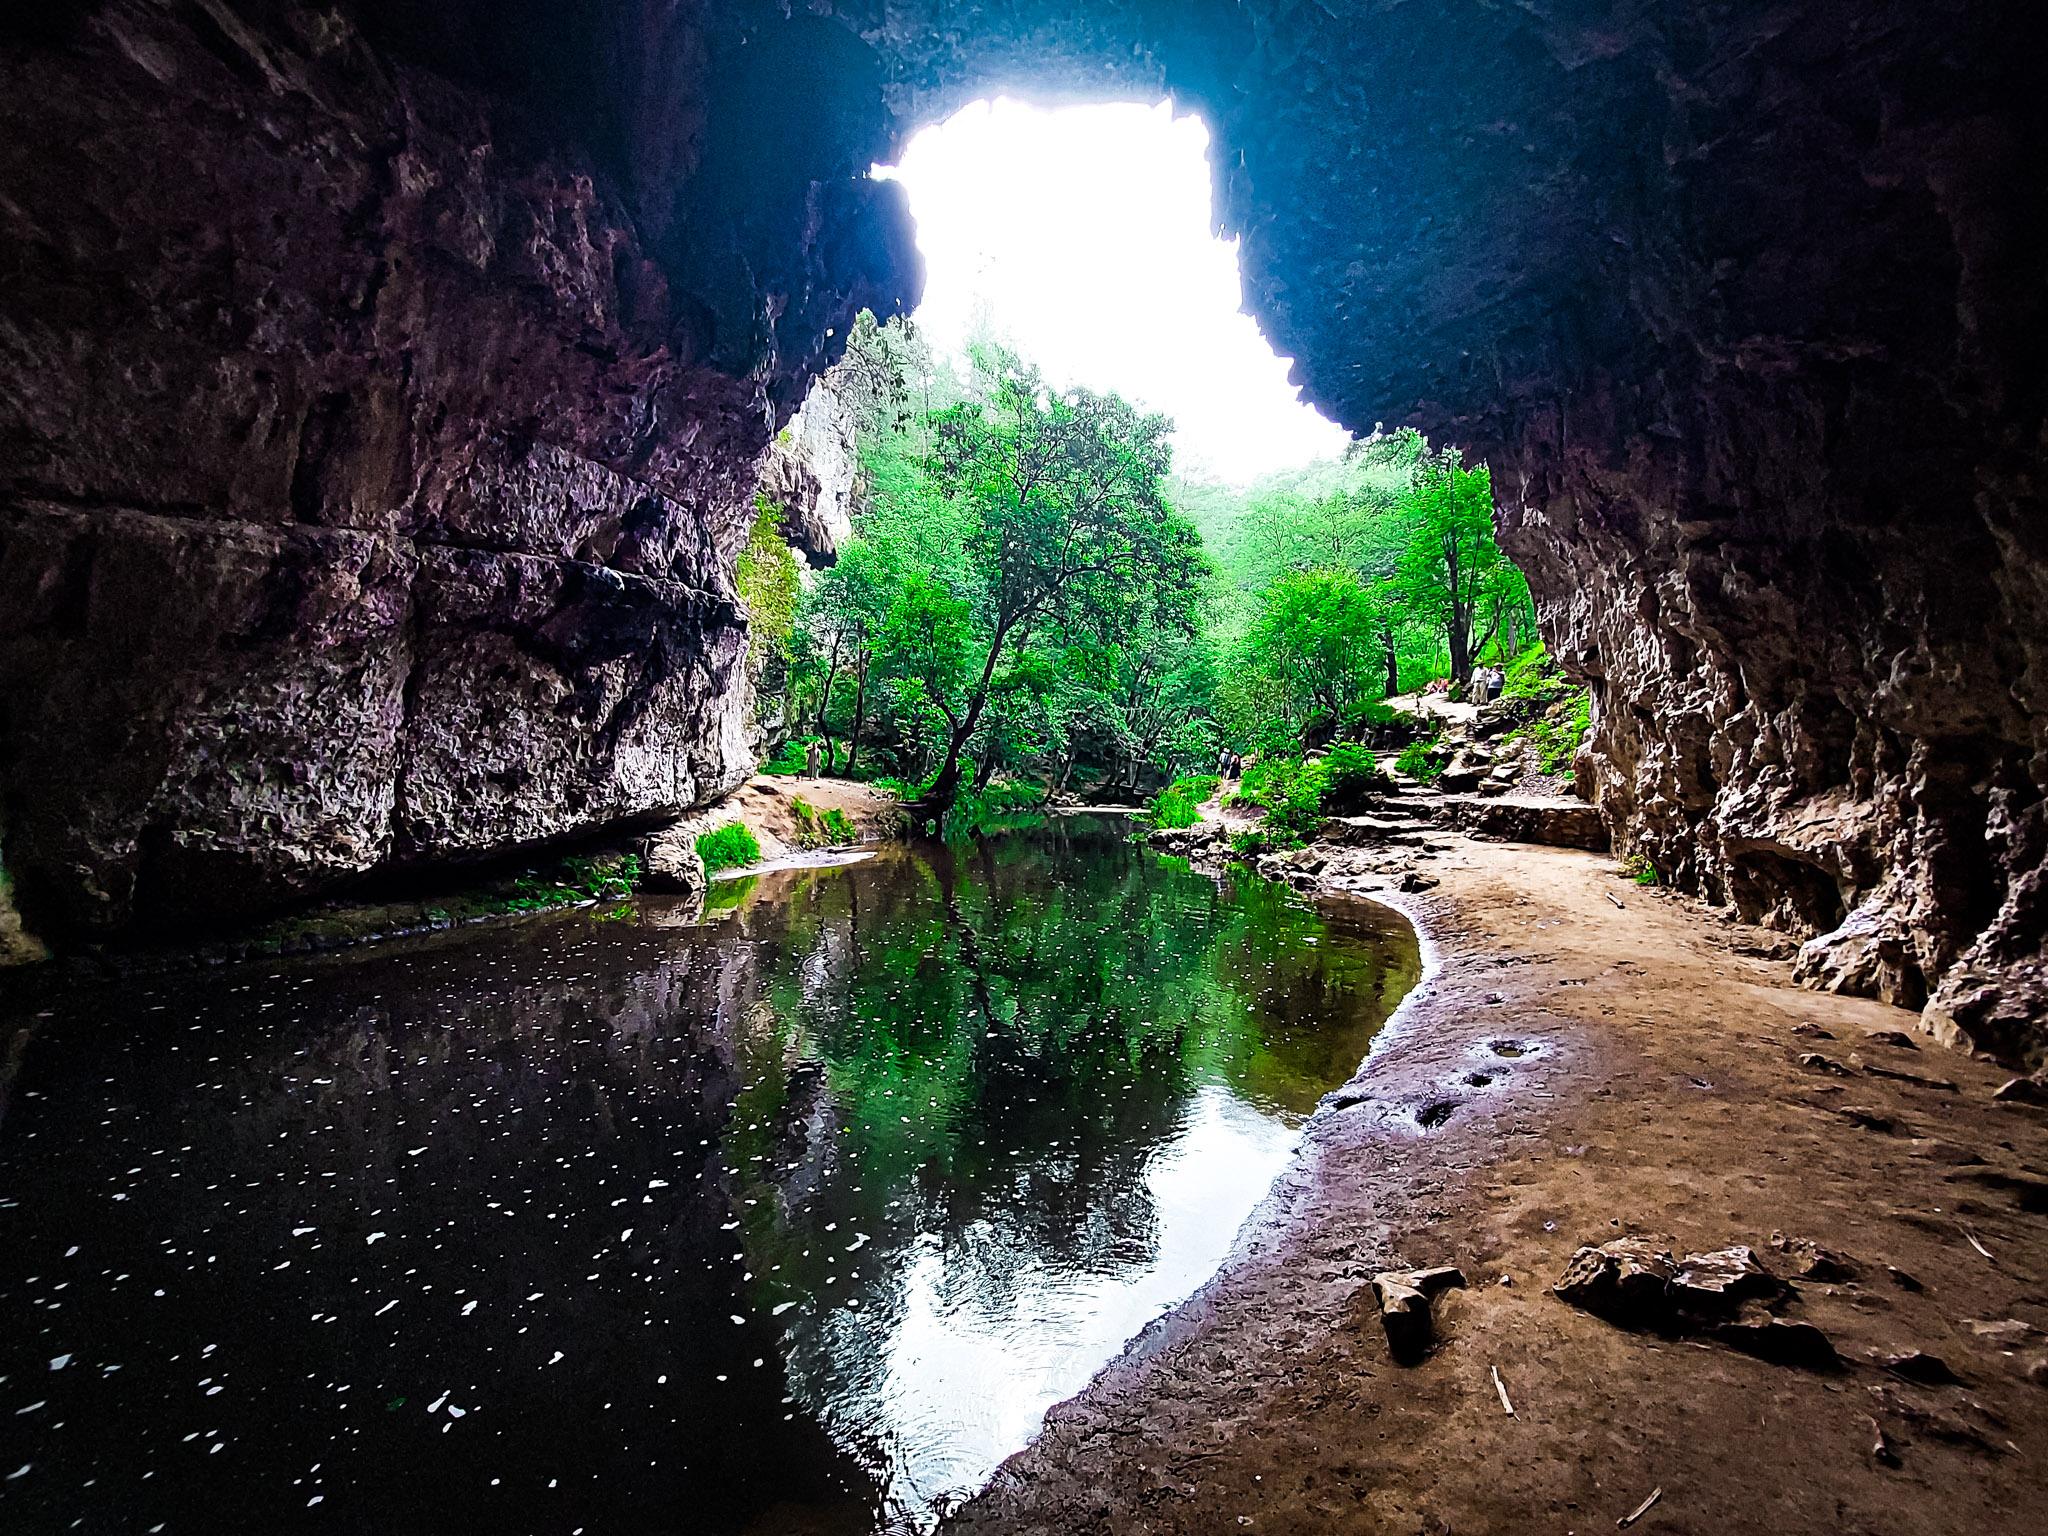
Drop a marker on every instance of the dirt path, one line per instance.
(1658, 1091)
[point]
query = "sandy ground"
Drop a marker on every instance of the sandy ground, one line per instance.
(1658, 1091)
(762, 804)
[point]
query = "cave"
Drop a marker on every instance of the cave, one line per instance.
(386, 387)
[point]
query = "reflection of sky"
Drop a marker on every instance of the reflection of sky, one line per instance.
(957, 1389)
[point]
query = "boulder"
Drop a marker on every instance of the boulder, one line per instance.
(1555, 823)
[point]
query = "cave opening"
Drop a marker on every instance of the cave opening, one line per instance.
(1085, 236)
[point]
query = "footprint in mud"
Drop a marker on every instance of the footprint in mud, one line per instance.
(1432, 1115)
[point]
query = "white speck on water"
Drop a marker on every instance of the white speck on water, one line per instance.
(780, 1308)
(559, 1357)
(385, 1308)
(20, 1471)
(651, 1184)
(435, 1405)
(302, 1231)
(455, 1412)
(373, 1237)
(626, 1235)
(471, 1307)
(58, 1362)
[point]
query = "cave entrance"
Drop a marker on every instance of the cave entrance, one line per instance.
(1085, 238)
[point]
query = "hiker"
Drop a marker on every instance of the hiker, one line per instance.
(811, 758)
(1482, 686)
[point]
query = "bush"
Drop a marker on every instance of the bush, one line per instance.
(1179, 804)
(598, 877)
(1381, 725)
(1352, 775)
(821, 829)
(731, 846)
(1292, 793)
(767, 581)
(1423, 761)
(788, 761)
(1559, 731)
(1533, 675)
(1639, 869)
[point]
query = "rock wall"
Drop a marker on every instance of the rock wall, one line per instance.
(370, 489)
(373, 454)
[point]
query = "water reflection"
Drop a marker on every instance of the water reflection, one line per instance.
(795, 1221)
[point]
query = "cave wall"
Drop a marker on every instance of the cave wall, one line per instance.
(370, 484)
(378, 399)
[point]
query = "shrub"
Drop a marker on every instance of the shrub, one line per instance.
(1423, 761)
(1179, 804)
(1533, 675)
(1352, 775)
(788, 761)
(731, 846)
(1379, 724)
(1292, 793)
(595, 877)
(1639, 869)
(821, 829)
(1558, 732)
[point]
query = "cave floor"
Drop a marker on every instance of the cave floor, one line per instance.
(1660, 1093)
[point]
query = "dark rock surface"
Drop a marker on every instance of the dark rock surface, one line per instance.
(1742, 303)
(368, 497)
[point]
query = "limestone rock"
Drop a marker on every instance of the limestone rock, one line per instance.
(1530, 819)
(1404, 1298)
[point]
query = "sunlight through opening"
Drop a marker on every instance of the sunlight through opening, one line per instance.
(1085, 238)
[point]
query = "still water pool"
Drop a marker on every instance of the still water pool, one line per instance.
(795, 1219)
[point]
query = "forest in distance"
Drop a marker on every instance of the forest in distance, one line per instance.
(1033, 603)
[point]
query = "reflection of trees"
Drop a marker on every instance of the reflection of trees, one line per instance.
(1009, 1038)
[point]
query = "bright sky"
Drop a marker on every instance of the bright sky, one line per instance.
(1085, 233)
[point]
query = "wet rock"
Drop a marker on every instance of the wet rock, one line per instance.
(1902, 1279)
(1812, 1032)
(1414, 882)
(1891, 1037)
(1813, 1061)
(2021, 1090)
(669, 862)
(1404, 1298)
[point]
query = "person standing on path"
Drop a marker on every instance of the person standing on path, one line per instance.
(811, 758)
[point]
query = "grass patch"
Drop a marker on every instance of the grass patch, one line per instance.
(1180, 803)
(731, 846)
(821, 829)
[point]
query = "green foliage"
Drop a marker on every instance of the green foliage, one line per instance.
(1423, 761)
(1351, 777)
(731, 846)
(1534, 675)
(1639, 869)
(821, 829)
(788, 761)
(767, 581)
(1180, 803)
(572, 881)
(1292, 792)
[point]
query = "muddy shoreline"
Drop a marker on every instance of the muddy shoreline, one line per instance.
(1653, 1086)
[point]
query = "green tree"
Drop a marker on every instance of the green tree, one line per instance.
(1450, 563)
(1067, 524)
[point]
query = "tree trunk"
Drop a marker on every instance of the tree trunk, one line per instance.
(1393, 662)
(860, 710)
(1461, 645)
(987, 770)
(946, 787)
(825, 703)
